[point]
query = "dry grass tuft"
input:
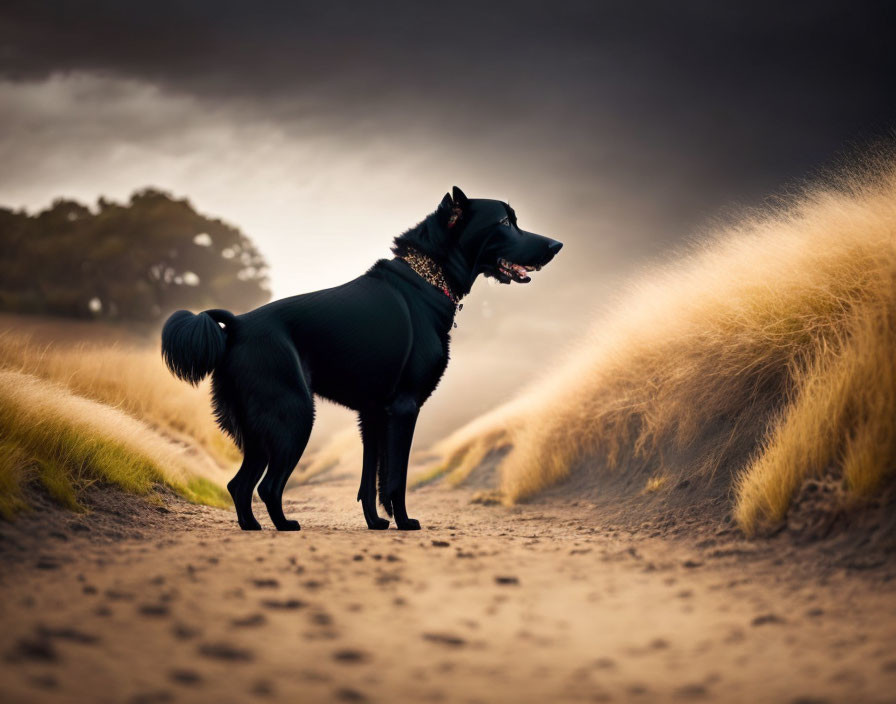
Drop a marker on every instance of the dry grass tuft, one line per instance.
(764, 356)
(655, 484)
(842, 417)
(67, 442)
(458, 454)
(128, 377)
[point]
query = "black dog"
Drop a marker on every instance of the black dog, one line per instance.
(378, 345)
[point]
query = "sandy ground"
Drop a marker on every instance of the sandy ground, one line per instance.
(537, 603)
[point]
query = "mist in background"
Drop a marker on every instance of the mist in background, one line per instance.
(324, 130)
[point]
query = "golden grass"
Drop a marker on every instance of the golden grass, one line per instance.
(67, 442)
(655, 484)
(843, 414)
(460, 463)
(131, 378)
(764, 354)
(459, 453)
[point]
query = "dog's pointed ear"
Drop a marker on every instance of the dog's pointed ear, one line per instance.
(446, 204)
(450, 211)
(460, 199)
(447, 212)
(458, 209)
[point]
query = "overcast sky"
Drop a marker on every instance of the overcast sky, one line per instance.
(324, 129)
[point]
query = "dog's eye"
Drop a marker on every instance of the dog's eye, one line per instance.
(505, 221)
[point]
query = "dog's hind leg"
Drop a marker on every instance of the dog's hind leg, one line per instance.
(401, 417)
(243, 484)
(371, 429)
(285, 447)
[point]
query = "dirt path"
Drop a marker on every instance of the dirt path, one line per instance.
(533, 604)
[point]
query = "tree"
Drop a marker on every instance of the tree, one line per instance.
(137, 261)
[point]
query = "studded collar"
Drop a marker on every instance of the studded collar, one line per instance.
(429, 270)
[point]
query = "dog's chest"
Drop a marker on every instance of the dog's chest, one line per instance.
(426, 361)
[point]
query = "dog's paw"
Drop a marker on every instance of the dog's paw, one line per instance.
(250, 525)
(289, 525)
(378, 524)
(410, 524)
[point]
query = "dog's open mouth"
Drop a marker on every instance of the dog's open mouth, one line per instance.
(516, 272)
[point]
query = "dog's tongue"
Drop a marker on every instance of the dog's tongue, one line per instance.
(517, 272)
(520, 271)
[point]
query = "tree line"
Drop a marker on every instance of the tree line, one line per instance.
(134, 261)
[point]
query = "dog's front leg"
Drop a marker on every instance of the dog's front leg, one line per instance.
(371, 435)
(401, 418)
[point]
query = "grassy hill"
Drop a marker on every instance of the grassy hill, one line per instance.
(762, 357)
(85, 403)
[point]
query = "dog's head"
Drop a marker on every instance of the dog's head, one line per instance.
(473, 236)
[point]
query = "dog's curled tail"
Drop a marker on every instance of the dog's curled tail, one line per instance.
(193, 345)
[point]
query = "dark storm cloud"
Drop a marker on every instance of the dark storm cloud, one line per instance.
(474, 61)
(746, 95)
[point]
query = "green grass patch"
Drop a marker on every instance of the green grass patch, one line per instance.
(200, 490)
(66, 443)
